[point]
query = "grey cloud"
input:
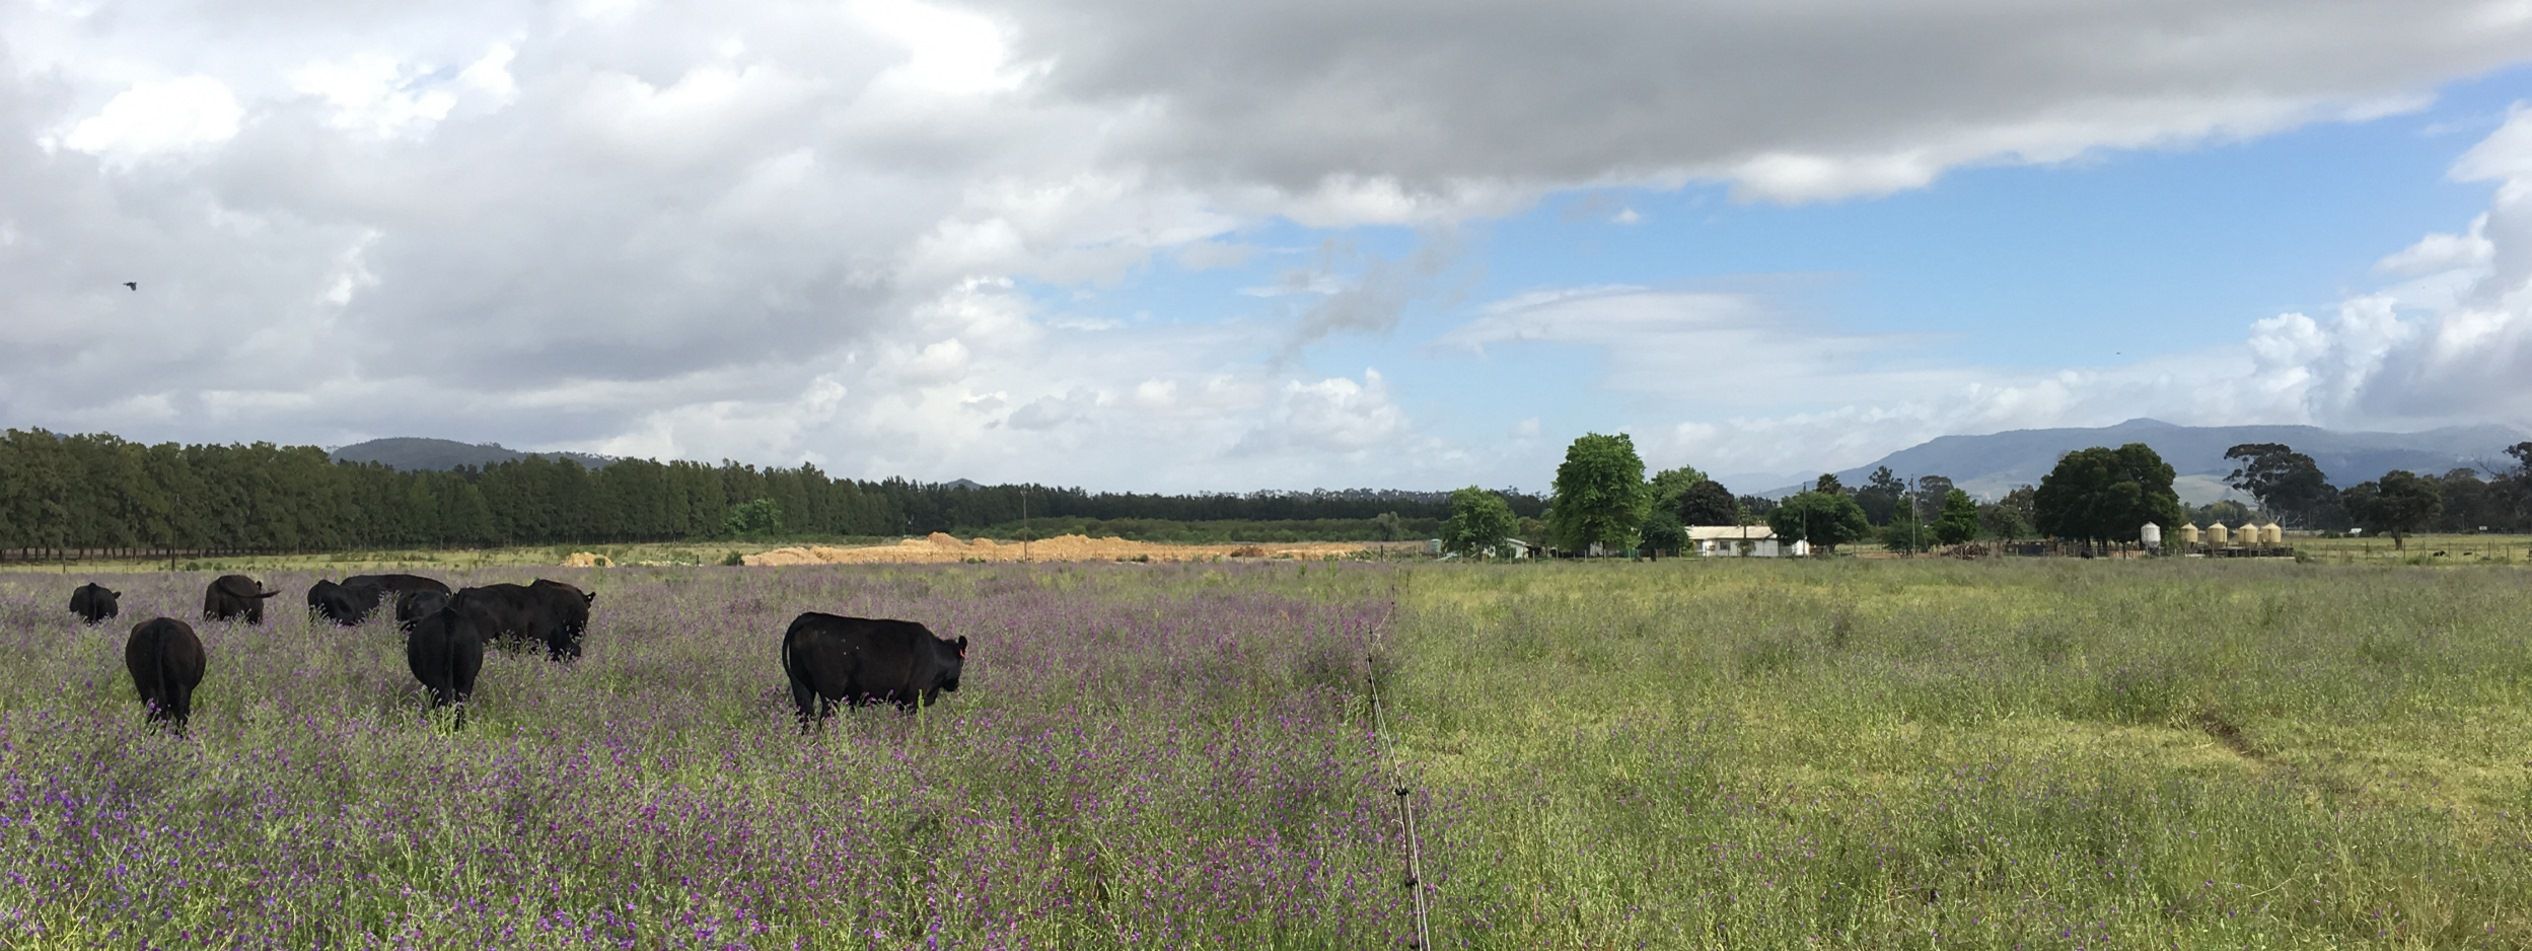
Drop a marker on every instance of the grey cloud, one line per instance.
(1792, 100)
(1372, 300)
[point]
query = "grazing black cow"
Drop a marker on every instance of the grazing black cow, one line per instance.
(861, 660)
(166, 663)
(230, 596)
(94, 602)
(547, 612)
(346, 604)
(400, 585)
(445, 651)
(415, 605)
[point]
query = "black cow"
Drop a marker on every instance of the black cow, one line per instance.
(445, 651)
(166, 663)
(230, 596)
(400, 585)
(415, 605)
(346, 604)
(94, 602)
(547, 612)
(862, 660)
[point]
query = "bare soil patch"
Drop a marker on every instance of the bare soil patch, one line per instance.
(942, 547)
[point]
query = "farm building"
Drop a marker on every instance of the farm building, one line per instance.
(1753, 541)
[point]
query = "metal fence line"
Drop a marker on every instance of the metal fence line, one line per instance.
(1406, 810)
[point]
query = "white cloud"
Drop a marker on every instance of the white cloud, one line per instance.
(156, 117)
(374, 94)
(2440, 253)
(799, 231)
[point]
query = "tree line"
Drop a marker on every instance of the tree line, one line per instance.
(100, 493)
(1602, 498)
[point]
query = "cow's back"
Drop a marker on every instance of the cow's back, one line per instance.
(400, 585)
(849, 657)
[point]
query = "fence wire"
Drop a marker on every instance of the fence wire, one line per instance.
(1406, 812)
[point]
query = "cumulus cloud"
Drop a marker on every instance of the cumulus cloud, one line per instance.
(2453, 345)
(1787, 101)
(157, 117)
(808, 231)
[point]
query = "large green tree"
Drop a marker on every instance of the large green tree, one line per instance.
(1480, 521)
(2102, 494)
(1662, 532)
(1669, 485)
(1600, 494)
(2288, 484)
(1881, 496)
(1958, 521)
(1708, 503)
(2398, 504)
(1824, 519)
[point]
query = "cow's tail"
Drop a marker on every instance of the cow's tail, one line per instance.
(804, 697)
(786, 655)
(175, 693)
(266, 594)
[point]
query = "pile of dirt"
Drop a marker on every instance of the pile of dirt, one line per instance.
(943, 547)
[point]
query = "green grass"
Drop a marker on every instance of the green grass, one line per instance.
(1927, 753)
(1933, 754)
(2419, 549)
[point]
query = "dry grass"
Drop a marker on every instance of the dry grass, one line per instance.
(940, 547)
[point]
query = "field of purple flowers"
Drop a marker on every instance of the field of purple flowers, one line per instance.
(1140, 756)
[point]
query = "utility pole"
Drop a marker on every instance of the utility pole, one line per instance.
(1916, 520)
(1026, 535)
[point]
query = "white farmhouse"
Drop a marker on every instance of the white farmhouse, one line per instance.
(1741, 541)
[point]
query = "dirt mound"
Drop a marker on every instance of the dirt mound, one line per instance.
(944, 547)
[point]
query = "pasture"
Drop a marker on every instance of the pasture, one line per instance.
(1680, 754)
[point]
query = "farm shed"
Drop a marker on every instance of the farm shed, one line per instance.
(1734, 541)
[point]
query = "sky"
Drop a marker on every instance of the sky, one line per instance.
(1217, 245)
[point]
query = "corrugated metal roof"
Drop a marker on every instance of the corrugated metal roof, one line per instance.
(1713, 533)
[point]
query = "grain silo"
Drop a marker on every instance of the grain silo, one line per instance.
(2189, 534)
(2272, 535)
(2151, 535)
(2218, 535)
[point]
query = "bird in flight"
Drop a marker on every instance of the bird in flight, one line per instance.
(135, 285)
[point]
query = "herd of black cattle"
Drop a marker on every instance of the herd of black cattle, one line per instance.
(826, 657)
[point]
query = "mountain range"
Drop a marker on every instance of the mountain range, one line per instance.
(439, 455)
(1991, 465)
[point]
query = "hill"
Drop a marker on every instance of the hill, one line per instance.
(416, 453)
(1990, 465)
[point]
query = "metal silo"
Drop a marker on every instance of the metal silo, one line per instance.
(2272, 535)
(2151, 535)
(2189, 534)
(2218, 535)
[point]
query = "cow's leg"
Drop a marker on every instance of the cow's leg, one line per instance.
(179, 705)
(804, 702)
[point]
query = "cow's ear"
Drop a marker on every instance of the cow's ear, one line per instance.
(962, 645)
(591, 597)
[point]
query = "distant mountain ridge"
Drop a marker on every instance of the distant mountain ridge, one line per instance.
(1991, 465)
(440, 455)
